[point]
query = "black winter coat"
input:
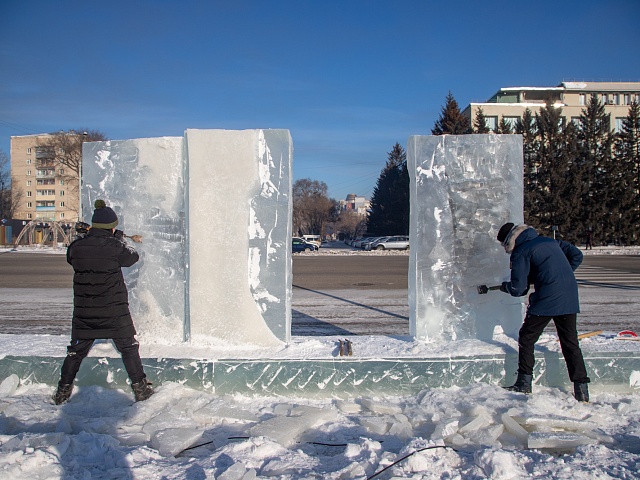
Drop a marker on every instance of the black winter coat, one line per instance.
(100, 298)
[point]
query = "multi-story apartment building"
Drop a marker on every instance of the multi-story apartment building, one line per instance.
(50, 192)
(511, 102)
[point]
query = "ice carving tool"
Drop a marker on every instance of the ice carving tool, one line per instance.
(482, 289)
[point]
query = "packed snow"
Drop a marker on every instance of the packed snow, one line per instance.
(479, 431)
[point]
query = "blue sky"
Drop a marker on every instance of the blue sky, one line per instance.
(349, 79)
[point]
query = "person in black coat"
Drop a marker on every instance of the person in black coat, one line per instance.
(548, 264)
(101, 302)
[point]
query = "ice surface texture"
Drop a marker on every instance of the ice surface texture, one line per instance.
(463, 189)
(214, 211)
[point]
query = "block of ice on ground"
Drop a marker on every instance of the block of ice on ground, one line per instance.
(463, 189)
(560, 422)
(142, 180)
(286, 430)
(9, 385)
(379, 407)
(445, 429)
(348, 407)
(172, 441)
(514, 428)
(561, 440)
(209, 412)
(239, 211)
(376, 425)
(477, 423)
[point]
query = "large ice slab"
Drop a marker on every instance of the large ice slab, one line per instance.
(142, 180)
(463, 189)
(239, 226)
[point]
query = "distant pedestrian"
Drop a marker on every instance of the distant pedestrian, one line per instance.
(101, 303)
(548, 264)
(589, 235)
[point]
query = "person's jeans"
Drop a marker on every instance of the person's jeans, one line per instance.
(530, 332)
(78, 349)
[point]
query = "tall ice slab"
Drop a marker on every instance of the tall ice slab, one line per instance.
(239, 230)
(463, 189)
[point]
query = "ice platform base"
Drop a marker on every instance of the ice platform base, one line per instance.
(334, 377)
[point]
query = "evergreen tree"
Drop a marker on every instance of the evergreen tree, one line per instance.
(451, 120)
(504, 127)
(389, 214)
(596, 166)
(526, 127)
(555, 178)
(626, 187)
(480, 122)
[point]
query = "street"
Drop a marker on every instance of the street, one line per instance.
(341, 294)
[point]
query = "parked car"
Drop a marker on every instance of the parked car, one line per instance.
(367, 245)
(313, 239)
(301, 245)
(399, 242)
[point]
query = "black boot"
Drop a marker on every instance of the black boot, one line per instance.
(581, 392)
(142, 390)
(522, 385)
(62, 393)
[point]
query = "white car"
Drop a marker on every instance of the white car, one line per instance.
(399, 242)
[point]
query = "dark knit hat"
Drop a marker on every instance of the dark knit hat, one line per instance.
(103, 216)
(504, 231)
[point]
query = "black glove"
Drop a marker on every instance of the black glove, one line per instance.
(504, 287)
(119, 234)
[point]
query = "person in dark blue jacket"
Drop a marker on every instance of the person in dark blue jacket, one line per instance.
(548, 264)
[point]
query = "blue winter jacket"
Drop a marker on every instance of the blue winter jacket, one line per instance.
(548, 264)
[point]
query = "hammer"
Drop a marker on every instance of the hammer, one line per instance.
(484, 289)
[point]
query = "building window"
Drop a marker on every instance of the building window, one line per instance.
(491, 123)
(29, 204)
(62, 171)
(62, 204)
(62, 215)
(511, 121)
(28, 194)
(62, 193)
(583, 99)
(618, 125)
(29, 215)
(605, 99)
(627, 99)
(61, 182)
(28, 172)
(575, 121)
(29, 151)
(614, 99)
(28, 161)
(28, 183)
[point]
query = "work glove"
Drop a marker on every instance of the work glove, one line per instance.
(119, 234)
(504, 287)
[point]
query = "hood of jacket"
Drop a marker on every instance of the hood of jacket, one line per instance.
(519, 234)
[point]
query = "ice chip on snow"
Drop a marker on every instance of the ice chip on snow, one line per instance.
(561, 422)
(172, 441)
(9, 385)
(236, 471)
(463, 189)
(379, 407)
(376, 425)
(480, 421)
(445, 429)
(514, 428)
(561, 440)
(286, 430)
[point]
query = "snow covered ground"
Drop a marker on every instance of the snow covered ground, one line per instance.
(478, 431)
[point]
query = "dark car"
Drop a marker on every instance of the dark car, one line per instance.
(301, 245)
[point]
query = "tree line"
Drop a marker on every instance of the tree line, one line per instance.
(579, 177)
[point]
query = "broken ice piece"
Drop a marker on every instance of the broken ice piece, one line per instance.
(9, 385)
(172, 441)
(514, 428)
(561, 422)
(480, 421)
(381, 408)
(348, 407)
(560, 440)
(445, 429)
(378, 426)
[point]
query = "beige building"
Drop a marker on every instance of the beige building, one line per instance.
(511, 102)
(50, 192)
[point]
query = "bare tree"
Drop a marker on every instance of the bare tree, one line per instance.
(64, 150)
(10, 192)
(312, 208)
(351, 224)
